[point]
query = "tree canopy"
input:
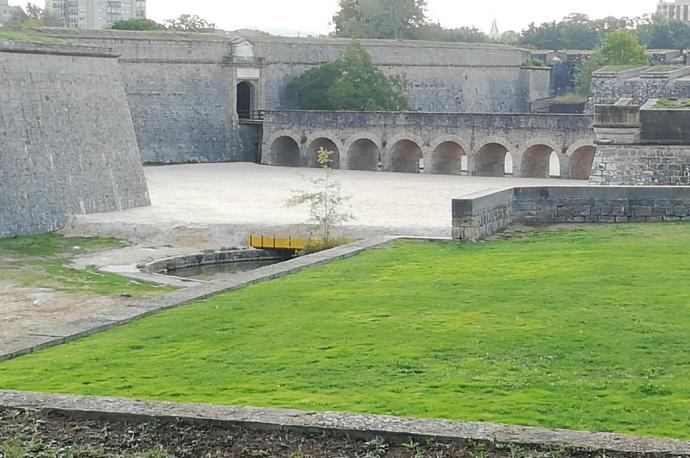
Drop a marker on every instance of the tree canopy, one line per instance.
(350, 83)
(379, 18)
(34, 16)
(576, 31)
(619, 48)
(138, 24)
(190, 23)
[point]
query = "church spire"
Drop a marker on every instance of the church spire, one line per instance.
(494, 34)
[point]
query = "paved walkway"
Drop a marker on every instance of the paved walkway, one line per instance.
(212, 205)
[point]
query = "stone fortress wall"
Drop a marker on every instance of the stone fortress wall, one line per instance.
(66, 137)
(639, 85)
(445, 143)
(182, 88)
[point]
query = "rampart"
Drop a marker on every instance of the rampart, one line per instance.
(480, 216)
(446, 143)
(187, 104)
(641, 146)
(67, 139)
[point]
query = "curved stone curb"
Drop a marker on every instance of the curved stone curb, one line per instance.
(392, 429)
(103, 321)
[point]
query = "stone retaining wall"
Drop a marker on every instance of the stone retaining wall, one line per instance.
(481, 216)
(68, 144)
(641, 165)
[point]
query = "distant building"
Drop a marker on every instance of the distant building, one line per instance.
(675, 10)
(96, 14)
(494, 34)
(6, 12)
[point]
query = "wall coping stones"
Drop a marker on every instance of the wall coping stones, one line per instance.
(62, 49)
(428, 113)
(360, 426)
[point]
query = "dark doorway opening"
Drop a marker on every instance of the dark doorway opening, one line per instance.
(245, 93)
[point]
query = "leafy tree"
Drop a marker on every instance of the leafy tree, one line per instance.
(576, 31)
(619, 48)
(545, 36)
(137, 24)
(660, 33)
(190, 23)
(34, 16)
(350, 83)
(325, 204)
(435, 32)
(379, 18)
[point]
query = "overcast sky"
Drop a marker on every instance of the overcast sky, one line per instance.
(315, 16)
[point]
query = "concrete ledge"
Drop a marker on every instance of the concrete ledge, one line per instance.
(137, 310)
(392, 429)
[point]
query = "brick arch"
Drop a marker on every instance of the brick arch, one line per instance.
(273, 156)
(488, 156)
(446, 154)
(362, 151)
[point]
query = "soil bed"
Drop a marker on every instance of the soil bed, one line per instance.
(38, 435)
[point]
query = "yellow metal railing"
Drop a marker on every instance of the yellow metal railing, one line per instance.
(279, 243)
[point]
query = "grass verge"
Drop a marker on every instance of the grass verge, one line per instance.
(42, 261)
(580, 329)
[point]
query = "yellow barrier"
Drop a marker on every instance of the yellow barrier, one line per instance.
(280, 243)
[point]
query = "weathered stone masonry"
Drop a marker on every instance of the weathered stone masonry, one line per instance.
(447, 143)
(66, 137)
(182, 88)
(480, 216)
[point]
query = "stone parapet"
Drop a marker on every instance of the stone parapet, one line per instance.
(478, 217)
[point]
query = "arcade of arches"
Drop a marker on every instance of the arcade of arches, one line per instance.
(448, 158)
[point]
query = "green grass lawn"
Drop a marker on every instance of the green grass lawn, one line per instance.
(43, 261)
(585, 329)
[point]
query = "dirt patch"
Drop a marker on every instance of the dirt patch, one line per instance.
(25, 311)
(53, 435)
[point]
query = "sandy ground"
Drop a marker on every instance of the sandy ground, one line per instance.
(41, 311)
(211, 205)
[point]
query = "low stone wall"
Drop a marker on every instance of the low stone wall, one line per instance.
(641, 165)
(214, 257)
(478, 217)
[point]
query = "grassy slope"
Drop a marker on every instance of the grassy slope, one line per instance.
(583, 329)
(40, 261)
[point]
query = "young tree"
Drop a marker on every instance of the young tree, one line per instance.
(619, 48)
(325, 204)
(350, 83)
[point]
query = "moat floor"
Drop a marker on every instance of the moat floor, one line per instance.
(210, 204)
